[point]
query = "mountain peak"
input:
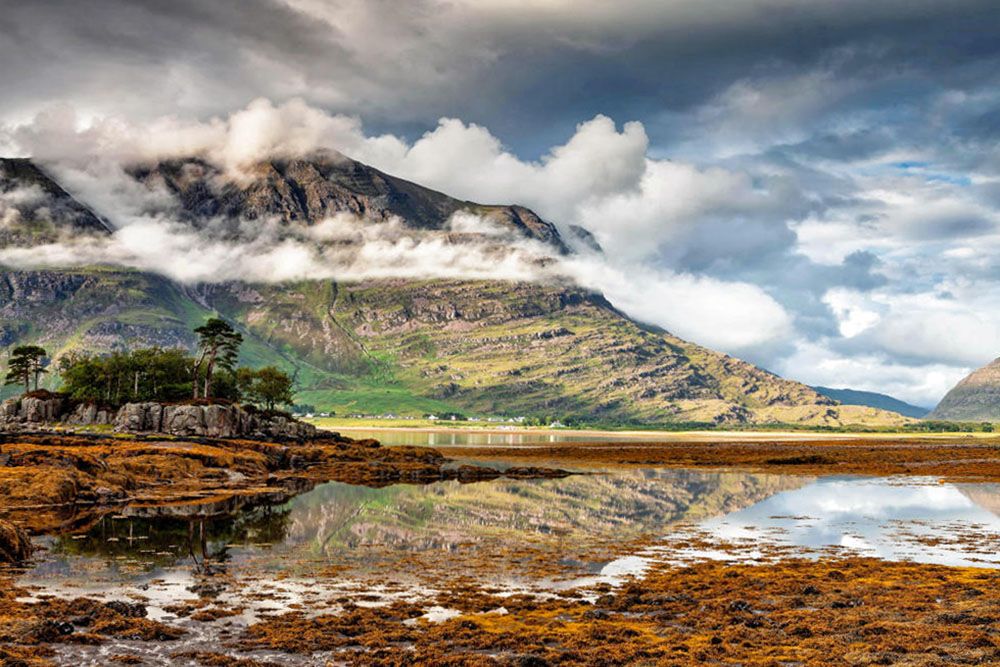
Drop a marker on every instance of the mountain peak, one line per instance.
(306, 190)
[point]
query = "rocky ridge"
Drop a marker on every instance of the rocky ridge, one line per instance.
(308, 190)
(34, 208)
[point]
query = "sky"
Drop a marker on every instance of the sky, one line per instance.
(812, 186)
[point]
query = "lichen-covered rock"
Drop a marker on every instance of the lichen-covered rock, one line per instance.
(41, 410)
(222, 421)
(15, 545)
(9, 410)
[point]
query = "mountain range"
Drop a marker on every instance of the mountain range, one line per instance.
(405, 346)
(874, 400)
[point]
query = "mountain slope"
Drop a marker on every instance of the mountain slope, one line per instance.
(874, 400)
(515, 348)
(35, 209)
(975, 398)
(406, 346)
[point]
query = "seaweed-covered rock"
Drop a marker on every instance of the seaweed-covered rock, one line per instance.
(15, 545)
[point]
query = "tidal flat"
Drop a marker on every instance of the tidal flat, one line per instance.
(846, 552)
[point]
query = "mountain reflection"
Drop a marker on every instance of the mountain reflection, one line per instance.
(338, 519)
(341, 522)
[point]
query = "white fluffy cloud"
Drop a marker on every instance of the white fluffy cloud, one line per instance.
(679, 237)
(601, 178)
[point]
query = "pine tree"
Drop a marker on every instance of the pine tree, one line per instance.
(219, 345)
(26, 362)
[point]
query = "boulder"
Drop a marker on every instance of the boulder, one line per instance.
(139, 417)
(222, 421)
(89, 414)
(183, 420)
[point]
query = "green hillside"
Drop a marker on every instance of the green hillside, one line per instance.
(408, 348)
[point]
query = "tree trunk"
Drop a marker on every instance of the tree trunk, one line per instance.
(208, 374)
(194, 376)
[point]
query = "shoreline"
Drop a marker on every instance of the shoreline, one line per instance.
(665, 436)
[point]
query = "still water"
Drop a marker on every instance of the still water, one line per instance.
(339, 542)
(471, 438)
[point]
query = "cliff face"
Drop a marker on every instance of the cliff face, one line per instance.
(405, 347)
(975, 398)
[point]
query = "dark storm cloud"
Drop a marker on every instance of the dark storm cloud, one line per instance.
(842, 156)
(412, 61)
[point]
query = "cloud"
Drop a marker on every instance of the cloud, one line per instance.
(817, 363)
(829, 229)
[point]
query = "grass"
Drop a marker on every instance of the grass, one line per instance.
(373, 399)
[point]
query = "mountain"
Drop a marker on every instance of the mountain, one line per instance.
(874, 400)
(35, 209)
(403, 346)
(306, 191)
(975, 398)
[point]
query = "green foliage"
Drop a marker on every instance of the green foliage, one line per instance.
(268, 386)
(152, 374)
(219, 345)
(26, 362)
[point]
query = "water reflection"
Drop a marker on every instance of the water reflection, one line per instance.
(885, 518)
(341, 524)
(472, 438)
(141, 540)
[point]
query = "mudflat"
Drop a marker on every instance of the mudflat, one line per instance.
(951, 459)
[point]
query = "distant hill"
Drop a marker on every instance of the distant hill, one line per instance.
(387, 346)
(975, 398)
(874, 400)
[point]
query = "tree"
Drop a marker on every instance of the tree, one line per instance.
(268, 386)
(273, 387)
(26, 362)
(219, 345)
(150, 374)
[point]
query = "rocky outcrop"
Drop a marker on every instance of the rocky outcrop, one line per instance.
(87, 414)
(212, 420)
(35, 408)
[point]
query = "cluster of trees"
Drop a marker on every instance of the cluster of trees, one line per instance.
(158, 374)
(27, 363)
